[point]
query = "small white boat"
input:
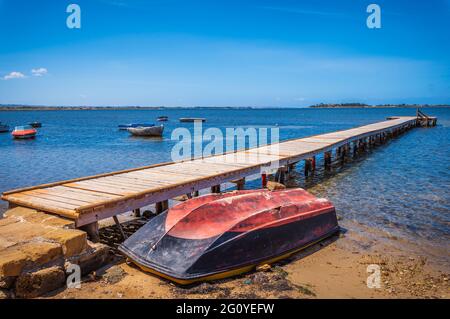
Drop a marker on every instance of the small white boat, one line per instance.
(146, 130)
(192, 119)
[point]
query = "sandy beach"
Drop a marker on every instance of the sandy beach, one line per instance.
(334, 268)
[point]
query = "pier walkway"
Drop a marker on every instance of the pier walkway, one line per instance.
(90, 199)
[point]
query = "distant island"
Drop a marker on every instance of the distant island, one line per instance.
(363, 105)
(19, 107)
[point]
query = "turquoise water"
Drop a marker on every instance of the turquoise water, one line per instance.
(401, 188)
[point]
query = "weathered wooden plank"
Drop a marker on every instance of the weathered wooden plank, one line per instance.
(134, 181)
(64, 189)
(80, 185)
(110, 185)
(31, 199)
(36, 193)
(51, 192)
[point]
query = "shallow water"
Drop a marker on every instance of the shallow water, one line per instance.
(401, 188)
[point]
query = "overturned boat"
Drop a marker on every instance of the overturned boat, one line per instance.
(220, 235)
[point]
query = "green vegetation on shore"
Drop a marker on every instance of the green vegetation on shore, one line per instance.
(19, 107)
(363, 105)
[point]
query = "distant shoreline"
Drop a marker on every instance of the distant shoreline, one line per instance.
(383, 106)
(95, 108)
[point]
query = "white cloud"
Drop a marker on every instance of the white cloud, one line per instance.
(14, 75)
(39, 72)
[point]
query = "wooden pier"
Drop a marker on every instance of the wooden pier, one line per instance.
(90, 199)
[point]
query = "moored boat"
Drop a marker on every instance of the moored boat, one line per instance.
(192, 119)
(163, 118)
(35, 124)
(127, 126)
(3, 128)
(24, 132)
(220, 235)
(146, 131)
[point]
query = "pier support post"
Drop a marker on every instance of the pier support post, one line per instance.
(280, 175)
(116, 220)
(240, 183)
(343, 154)
(92, 231)
(308, 167)
(327, 160)
(161, 206)
(215, 189)
(291, 168)
(264, 180)
(137, 212)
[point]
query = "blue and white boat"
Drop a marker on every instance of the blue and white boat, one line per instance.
(131, 125)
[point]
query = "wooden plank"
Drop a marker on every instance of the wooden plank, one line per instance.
(126, 179)
(91, 193)
(69, 213)
(160, 177)
(111, 186)
(147, 177)
(41, 201)
(69, 195)
(56, 198)
(127, 183)
(79, 185)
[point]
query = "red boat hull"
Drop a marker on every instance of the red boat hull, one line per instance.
(216, 235)
(24, 134)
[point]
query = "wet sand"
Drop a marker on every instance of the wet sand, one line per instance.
(334, 268)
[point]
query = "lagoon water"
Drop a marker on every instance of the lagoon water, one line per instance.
(401, 188)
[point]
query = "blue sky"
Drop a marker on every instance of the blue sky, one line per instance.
(224, 53)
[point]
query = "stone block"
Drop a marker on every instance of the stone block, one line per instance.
(37, 283)
(14, 260)
(73, 241)
(95, 256)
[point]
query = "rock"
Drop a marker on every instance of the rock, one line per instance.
(181, 198)
(265, 267)
(148, 214)
(7, 282)
(37, 217)
(247, 282)
(114, 275)
(37, 283)
(95, 256)
(4, 294)
(73, 241)
(32, 254)
(274, 186)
